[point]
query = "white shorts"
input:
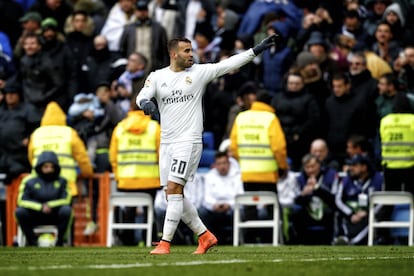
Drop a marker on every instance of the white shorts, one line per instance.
(179, 162)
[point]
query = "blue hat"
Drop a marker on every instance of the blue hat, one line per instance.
(316, 38)
(142, 5)
(359, 159)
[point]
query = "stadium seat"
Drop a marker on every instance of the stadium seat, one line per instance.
(208, 140)
(130, 200)
(394, 199)
(207, 159)
(400, 213)
(257, 199)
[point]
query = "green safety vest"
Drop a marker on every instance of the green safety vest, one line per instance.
(397, 140)
(255, 154)
(59, 140)
(137, 154)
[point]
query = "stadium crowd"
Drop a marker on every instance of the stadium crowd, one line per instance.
(338, 69)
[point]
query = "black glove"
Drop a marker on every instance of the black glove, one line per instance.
(148, 107)
(265, 43)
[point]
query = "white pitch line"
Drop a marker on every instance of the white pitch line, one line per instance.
(194, 263)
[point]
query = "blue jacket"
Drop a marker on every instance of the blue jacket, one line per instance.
(349, 191)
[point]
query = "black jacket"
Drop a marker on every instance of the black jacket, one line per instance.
(36, 189)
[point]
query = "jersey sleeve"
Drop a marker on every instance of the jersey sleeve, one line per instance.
(148, 91)
(227, 65)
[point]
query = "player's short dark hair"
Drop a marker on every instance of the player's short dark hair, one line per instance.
(173, 43)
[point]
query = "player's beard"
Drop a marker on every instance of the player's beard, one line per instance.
(184, 63)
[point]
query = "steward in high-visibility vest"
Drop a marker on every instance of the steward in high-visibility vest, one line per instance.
(54, 135)
(258, 143)
(397, 140)
(134, 152)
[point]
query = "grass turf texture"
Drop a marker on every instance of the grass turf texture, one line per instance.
(221, 260)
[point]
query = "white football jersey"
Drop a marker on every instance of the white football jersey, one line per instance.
(179, 96)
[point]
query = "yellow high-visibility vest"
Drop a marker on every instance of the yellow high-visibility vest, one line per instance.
(397, 140)
(255, 154)
(137, 154)
(58, 140)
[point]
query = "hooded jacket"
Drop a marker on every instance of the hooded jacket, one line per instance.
(277, 146)
(36, 189)
(135, 123)
(54, 116)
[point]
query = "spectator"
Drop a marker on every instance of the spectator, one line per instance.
(120, 15)
(63, 60)
(103, 128)
(352, 199)
(376, 9)
(166, 13)
(385, 45)
(256, 128)
(83, 114)
(388, 89)
(133, 77)
(365, 89)
(359, 144)
(44, 86)
(96, 11)
(313, 219)
(344, 116)
(277, 60)
(55, 135)
(396, 15)
(221, 185)
(226, 28)
(79, 38)
(191, 12)
(374, 63)
(404, 68)
(299, 117)
(44, 199)
(319, 47)
(16, 125)
(147, 37)
(308, 66)
(30, 25)
(101, 65)
(207, 50)
(57, 9)
(320, 22)
(134, 158)
(320, 149)
(352, 26)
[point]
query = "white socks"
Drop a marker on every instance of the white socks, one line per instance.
(181, 208)
(173, 215)
(191, 218)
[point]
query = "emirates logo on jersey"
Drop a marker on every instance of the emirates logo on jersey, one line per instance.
(188, 80)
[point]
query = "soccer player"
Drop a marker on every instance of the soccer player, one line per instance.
(178, 90)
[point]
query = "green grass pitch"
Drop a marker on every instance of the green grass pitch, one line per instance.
(221, 260)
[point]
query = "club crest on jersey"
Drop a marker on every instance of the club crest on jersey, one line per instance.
(188, 80)
(147, 83)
